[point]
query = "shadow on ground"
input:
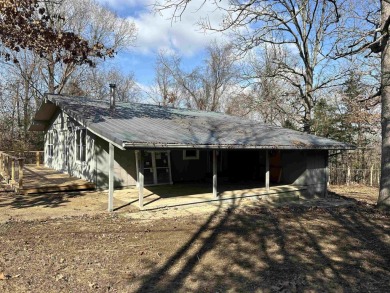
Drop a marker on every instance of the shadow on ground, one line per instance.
(280, 249)
(47, 200)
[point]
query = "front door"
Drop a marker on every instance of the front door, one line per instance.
(157, 167)
(162, 167)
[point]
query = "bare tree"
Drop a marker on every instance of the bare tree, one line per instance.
(101, 26)
(384, 48)
(18, 104)
(206, 86)
(309, 27)
(94, 83)
(51, 44)
(376, 40)
(268, 95)
(165, 91)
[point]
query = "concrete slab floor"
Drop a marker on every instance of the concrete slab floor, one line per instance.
(176, 195)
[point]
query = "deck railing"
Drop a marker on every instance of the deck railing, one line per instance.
(11, 169)
(12, 164)
(31, 157)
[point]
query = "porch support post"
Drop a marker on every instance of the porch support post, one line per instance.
(137, 166)
(215, 193)
(111, 178)
(141, 180)
(267, 170)
(169, 166)
(326, 174)
(154, 167)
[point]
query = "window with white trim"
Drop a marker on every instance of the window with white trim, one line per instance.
(81, 144)
(50, 144)
(190, 155)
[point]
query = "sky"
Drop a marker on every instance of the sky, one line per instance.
(158, 32)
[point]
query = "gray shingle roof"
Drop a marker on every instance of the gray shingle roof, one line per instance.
(143, 125)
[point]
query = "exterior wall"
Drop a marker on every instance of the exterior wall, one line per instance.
(95, 166)
(125, 173)
(63, 145)
(188, 170)
(306, 168)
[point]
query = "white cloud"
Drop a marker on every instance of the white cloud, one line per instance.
(121, 4)
(157, 31)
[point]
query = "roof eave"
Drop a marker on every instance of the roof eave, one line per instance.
(148, 145)
(106, 137)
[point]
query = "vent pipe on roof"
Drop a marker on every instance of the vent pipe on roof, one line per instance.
(112, 95)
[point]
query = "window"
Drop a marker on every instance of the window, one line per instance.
(81, 145)
(190, 155)
(50, 146)
(52, 141)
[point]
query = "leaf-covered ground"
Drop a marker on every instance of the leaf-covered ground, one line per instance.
(313, 247)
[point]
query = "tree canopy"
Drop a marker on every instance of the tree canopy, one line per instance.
(28, 24)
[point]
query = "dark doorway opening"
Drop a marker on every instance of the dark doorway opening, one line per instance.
(245, 166)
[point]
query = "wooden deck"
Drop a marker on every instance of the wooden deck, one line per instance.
(40, 179)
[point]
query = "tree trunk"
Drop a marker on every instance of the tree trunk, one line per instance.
(51, 74)
(26, 117)
(307, 120)
(307, 98)
(384, 193)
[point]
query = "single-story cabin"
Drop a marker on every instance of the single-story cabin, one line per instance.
(130, 144)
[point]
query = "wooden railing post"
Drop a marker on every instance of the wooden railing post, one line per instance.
(2, 168)
(8, 168)
(37, 155)
(371, 173)
(21, 165)
(12, 169)
(1, 163)
(378, 177)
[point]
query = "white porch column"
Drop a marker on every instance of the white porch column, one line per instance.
(215, 193)
(154, 167)
(267, 170)
(141, 180)
(137, 167)
(169, 166)
(111, 178)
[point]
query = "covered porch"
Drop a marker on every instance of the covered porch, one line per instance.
(217, 175)
(182, 195)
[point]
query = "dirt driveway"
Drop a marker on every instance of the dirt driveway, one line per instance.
(339, 246)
